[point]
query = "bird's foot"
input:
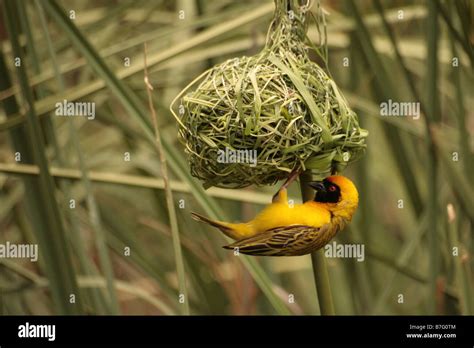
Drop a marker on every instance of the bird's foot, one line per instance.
(292, 177)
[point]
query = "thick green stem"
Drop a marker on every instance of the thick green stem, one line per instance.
(432, 116)
(321, 276)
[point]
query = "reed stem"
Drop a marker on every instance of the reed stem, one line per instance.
(183, 292)
(321, 276)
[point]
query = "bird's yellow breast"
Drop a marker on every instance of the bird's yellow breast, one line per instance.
(280, 214)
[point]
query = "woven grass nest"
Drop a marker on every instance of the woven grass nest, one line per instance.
(277, 105)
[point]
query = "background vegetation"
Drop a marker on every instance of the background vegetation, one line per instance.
(112, 245)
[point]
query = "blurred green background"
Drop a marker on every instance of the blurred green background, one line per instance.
(90, 192)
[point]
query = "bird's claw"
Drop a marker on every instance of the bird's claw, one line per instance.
(275, 196)
(292, 177)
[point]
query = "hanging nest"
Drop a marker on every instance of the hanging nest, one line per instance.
(277, 105)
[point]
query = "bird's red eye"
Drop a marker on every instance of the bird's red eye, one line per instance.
(332, 188)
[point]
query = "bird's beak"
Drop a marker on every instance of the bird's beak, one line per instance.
(318, 186)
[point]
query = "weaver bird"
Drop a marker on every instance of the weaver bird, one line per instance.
(282, 229)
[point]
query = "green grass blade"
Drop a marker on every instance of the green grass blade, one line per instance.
(86, 265)
(94, 215)
(57, 256)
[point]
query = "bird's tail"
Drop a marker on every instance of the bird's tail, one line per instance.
(224, 227)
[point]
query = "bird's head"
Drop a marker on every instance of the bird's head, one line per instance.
(337, 192)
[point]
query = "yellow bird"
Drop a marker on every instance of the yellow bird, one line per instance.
(282, 229)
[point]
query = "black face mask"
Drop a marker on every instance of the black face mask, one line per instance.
(326, 192)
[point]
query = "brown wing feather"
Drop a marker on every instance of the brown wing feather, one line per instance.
(286, 241)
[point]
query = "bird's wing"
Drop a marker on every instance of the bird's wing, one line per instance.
(285, 241)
